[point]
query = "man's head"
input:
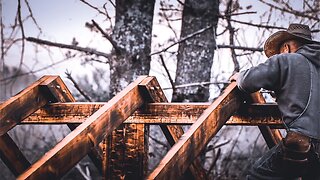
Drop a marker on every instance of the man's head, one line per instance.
(290, 46)
(288, 41)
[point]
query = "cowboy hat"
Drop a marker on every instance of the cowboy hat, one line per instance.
(295, 31)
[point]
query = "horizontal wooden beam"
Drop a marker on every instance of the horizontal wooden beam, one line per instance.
(89, 134)
(189, 146)
(156, 113)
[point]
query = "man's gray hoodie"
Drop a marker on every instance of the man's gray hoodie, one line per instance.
(295, 78)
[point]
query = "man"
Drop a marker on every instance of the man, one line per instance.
(293, 73)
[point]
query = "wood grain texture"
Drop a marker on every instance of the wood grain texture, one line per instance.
(157, 113)
(271, 136)
(89, 134)
(59, 92)
(182, 154)
(12, 112)
(23, 104)
(151, 88)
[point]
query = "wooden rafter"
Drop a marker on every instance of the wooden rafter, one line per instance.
(87, 135)
(59, 92)
(157, 113)
(271, 136)
(23, 104)
(12, 112)
(151, 88)
(182, 154)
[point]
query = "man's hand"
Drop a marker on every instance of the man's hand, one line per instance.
(234, 77)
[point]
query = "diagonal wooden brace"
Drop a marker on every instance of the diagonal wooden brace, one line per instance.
(271, 136)
(189, 146)
(152, 89)
(86, 136)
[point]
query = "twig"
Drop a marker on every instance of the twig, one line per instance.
(167, 71)
(181, 40)
(22, 34)
(214, 162)
(231, 37)
(31, 15)
(2, 36)
(84, 174)
(93, 7)
(75, 84)
(159, 142)
(257, 25)
(112, 3)
(292, 11)
(237, 14)
(33, 71)
(66, 46)
(196, 84)
(240, 48)
(113, 43)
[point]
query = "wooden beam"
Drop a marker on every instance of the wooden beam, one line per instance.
(60, 93)
(12, 156)
(151, 88)
(182, 154)
(157, 113)
(271, 136)
(12, 112)
(89, 134)
(23, 104)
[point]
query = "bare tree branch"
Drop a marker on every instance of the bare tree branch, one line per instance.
(75, 84)
(2, 37)
(240, 48)
(196, 84)
(31, 15)
(292, 11)
(236, 14)
(33, 71)
(181, 40)
(167, 71)
(257, 25)
(72, 47)
(113, 43)
(93, 7)
(231, 37)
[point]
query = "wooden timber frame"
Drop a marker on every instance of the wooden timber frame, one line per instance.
(48, 101)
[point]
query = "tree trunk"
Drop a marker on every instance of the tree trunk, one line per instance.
(195, 55)
(132, 34)
(127, 147)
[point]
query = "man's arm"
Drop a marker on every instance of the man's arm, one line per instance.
(265, 75)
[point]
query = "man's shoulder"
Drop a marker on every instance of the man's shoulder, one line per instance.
(287, 57)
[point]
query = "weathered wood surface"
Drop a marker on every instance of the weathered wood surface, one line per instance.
(157, 113)
(182, 154)
(12, 156)
(23, 104)
(89, 134)
(59, 92)
(153, 92)
(271, 136)
(12, 112)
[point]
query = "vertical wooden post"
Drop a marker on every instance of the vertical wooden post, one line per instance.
(126, 152)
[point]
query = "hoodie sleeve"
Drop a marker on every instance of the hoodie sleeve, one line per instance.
(265, 75)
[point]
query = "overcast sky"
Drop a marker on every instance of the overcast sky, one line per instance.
(62, 20)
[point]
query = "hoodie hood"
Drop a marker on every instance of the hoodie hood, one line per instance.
(311, 52)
